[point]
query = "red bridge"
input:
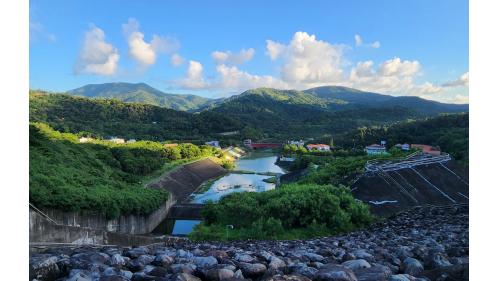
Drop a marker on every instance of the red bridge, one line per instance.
(265, 145)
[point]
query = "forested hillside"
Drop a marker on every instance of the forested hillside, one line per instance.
(129, 120)
(449, 132)
(258, 113)
(142, 93)
(100, 176)
(297, 114)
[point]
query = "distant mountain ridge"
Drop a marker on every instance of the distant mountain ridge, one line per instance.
(142, 93)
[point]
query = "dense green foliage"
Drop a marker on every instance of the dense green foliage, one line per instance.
(100, 176)
(142, 93)
(291, 211)
(128, 120)
(449, 132)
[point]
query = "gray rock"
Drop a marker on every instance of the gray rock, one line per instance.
(333, 272)
(314, 257)
(244, 258)
(146, 259)
(79, 275)
(162, 260)
(186, 277)
(363, 254)
(348, 257)
(219, 274)
(437, 260)
(306, 271)
(356, 264)
(136, 252)
(44, 267)
(183, 268)
(412, 266)
(238, 274)
(205, 262)
(276, 263)
(375, 273)
(117, 260)
(252, 270)
(400, 277)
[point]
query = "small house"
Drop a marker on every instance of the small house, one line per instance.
(131, 141)
(168, 145)
(375, 149)
(318, 147)
(85, 139)
(213, 143)
(247, 142)
(297, 143)
(117, 140)
(429, 149)
(404, 146)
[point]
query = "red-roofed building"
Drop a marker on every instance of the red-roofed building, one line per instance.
(427, 149)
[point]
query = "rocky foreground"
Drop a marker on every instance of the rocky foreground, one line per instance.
(422, 244)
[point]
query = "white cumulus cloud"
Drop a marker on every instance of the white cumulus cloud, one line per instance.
(230, 77)
(228, 57)
(145, 53)
(97, 56)
(194, 76)
(308, 61)
(463, 80)
(396, 67)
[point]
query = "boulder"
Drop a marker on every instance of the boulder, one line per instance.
(205, 262)
(162, 260)
(136, 252)
(252, 270)
(117, 260)
(401, 277)
(412, 266)
(185, 277)
(333, 272)
(217, 274)
(44, 267)
(356, 264)
(79, 275)
(375, 273)
(276, 263)
(437, 260)
(244, 258)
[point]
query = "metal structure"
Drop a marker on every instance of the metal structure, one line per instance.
(415, 159)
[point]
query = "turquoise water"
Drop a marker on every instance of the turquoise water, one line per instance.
(259, 162)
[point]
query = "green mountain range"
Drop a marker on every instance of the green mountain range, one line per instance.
(142, 93)
(256, 113)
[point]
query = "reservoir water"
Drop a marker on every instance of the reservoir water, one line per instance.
(256, 162)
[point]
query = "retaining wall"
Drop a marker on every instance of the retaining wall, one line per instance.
(130, 224)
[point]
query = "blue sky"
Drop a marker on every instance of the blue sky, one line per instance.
(217, 48)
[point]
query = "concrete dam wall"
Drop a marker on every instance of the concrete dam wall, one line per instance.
(74, 227)
(188, 178)
(393, 191)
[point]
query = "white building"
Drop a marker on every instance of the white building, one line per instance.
(213, 143)
(247, 142)
(131, 141)
(375, 149)
(298, 143)
(117, 140)
(85, 139)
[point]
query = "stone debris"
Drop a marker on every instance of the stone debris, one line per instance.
(428, 243)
